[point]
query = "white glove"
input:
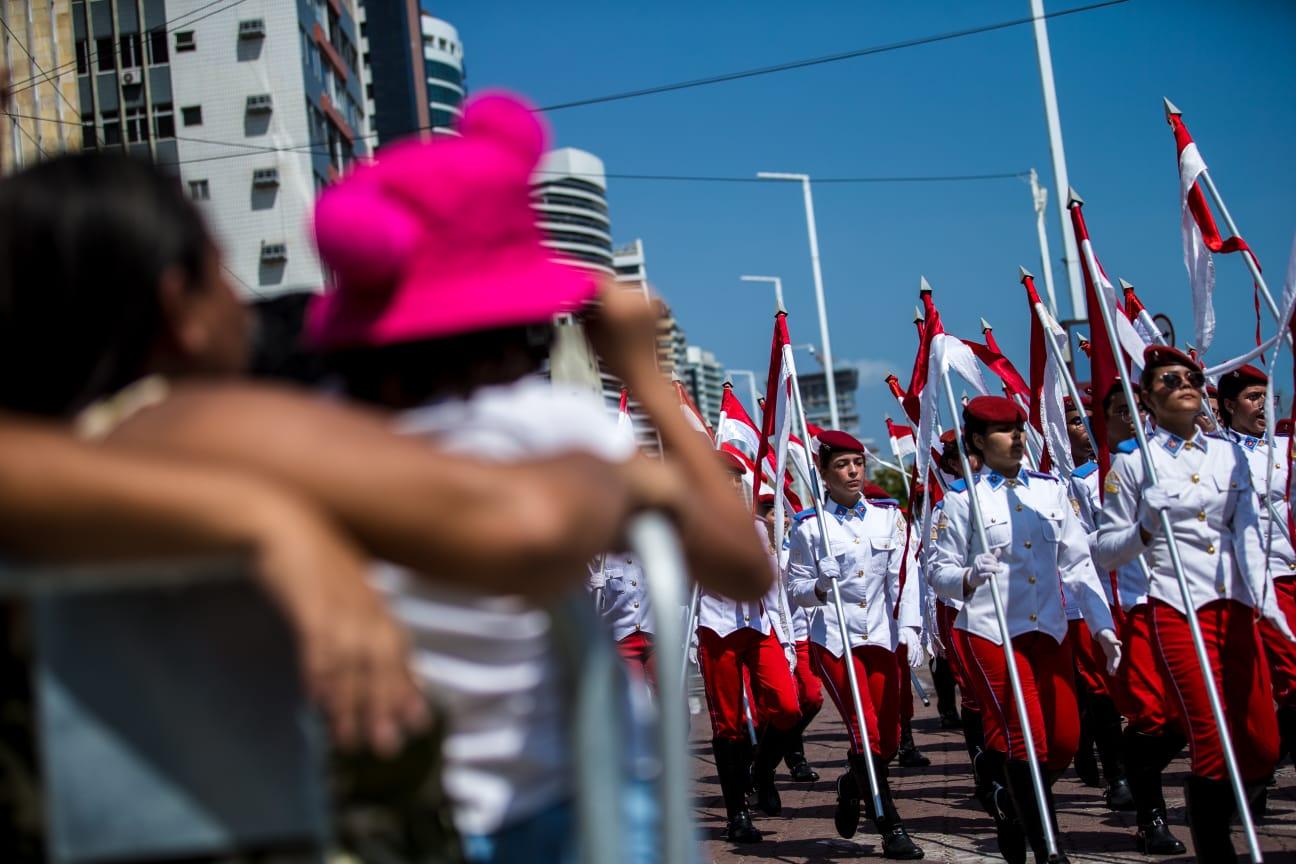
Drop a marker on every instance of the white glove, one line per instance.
(1155, 500)
(984, 568)
(693, 649)
(829, 569)
(912, 642)
(789, 651)
(1111, 647)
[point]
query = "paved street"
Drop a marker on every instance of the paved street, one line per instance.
(938, 809)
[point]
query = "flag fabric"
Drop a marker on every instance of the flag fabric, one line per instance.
(625, 424)
(992, 357)
(941, 354)
(691, 412)
(736, 426)
(1138, 315)
(776, 423)
(1048, 409)
(1201, 236)
(902, 440)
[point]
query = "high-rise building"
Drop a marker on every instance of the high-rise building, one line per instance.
(40, 53)
(703, 377)
(444, 72)
(671, 344)
(570, 195)
(269, 105)
(391, 69)
(814, 398)
(630, 266)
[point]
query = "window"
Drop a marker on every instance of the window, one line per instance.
(137, 127)
(252, 28)
(89, 138)
(274, 251)
(83, 56)
(112, 132)
(185, 41)
(107, 56)
(265, 177)
(131, 54)
(158, 47)
(199, 191)
(260, 102)
(191, 115)
(163, 121)
(444, 95)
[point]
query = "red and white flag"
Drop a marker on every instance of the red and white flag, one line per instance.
(625, 424)
(736, 427)
(691, 412)
(1201, 236)
(902, 440)
(776, 426)
(1138, 315)
(1047, 410)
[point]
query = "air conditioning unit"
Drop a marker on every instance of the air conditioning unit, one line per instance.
(274, 251)
(265, 177)
(260, 102)
(252, 28)
(129, 78)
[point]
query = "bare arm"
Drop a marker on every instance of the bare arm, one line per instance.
(521, 528)
(62, 500)
(714, 524)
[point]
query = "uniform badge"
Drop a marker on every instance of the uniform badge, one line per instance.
(1111, 487)
(1075, 505)
(941, 524)
(1172, 444)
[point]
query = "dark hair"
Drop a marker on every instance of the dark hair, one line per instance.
(407, 374)
(84, 242)
(973, 426)
(827, 452)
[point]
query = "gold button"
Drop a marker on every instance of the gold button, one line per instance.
(1201, 516)
(859, 572)
(861, 604)
(634, 582)
(637, 627)
(745, 617)
(1291, 565)
(857, 541)
(636, 605)
(1221, 589)
(1195, 478)
(1210, 548)
(1018, 508)
(1187, 445)
(1028, 544)
(1031, 580)
(1032, 616)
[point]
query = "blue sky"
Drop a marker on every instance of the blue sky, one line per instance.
(967, 106)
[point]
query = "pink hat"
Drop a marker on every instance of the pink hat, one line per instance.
(438, 237)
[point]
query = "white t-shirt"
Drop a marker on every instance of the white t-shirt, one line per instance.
(488, 658)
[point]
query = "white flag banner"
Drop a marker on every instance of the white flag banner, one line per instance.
(1197, 258)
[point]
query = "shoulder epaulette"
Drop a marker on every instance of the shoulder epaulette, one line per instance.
(1085, 470)
(803, 515)
(884, 502)
(1129, 445)
(959, 485)
(1043, 476)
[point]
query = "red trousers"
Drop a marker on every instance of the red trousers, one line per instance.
(1047, 674)
(809, 687)
(1282, 654)
(1090, 662)
(878, 675)
(637, 650)
(1229, 631)
(1142, 690)
(954, 649)
(723, 660)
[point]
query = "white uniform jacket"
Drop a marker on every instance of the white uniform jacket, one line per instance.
(1213, 514)
(1282, 560)
(626, 608)
(723, 616)
(1031, 526)
(868, 541)
(1131, 580)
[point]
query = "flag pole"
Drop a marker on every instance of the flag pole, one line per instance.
(1075, 202)
(1056, 352)
(847, 654)
(1014, 677)
(1039, 197)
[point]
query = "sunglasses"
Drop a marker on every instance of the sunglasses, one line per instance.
(1175, 380)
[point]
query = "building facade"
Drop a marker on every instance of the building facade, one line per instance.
(570, 196)
(40, 52)
(814, 398)
(704, 378)
(445, 75)
(391, 69)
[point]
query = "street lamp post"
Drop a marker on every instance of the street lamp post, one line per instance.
(776, 282)
(830, 373)
(751, 380)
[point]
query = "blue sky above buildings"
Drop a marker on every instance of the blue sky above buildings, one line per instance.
(967, 106)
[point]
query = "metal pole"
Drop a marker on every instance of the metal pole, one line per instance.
(1056, 352)
(817, 496)
(1058, 152)
(751, 383)
(1167, 529)
(1014, 679)
(829, 369)
(774, 280)
(1039, 196)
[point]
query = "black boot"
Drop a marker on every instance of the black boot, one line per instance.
(909, 754)
(896, 843)
(1028, 812)
(733, 764)
(943, 680)
(851, 786)
(1146, 757)
(992, 792)
(794, 751)
(768, 755)
(1287, 733)
(1107, 735)
(1086, 765)
(1210, 807)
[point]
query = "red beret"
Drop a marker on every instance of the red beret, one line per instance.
(730, 462)
(1239, 379)
(1068, 404)
(767, 498)
(832, 439)
(994, 409)
(947, 437)
(1165, 355)
(873, 491)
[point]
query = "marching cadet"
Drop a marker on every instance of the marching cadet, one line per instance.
(1242, 412)
(1205, 490)
(1141, 692)
(732, 637)
(627, 612)
(867, 550)
(1034, 538)
(809, 688)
